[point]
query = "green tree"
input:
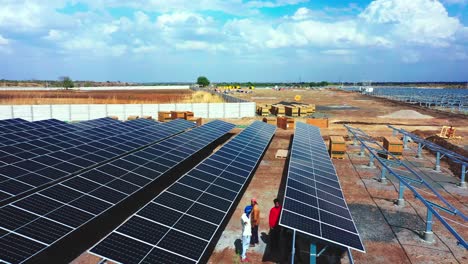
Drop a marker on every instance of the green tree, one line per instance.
(203, 81)
(67, 82)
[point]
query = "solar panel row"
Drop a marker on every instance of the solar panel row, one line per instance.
(29, 165)
(179, 224)
(12, 121)
(314, 203)
(25, 126)
(33, 223)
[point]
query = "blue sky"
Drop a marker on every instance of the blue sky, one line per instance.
(235, 40)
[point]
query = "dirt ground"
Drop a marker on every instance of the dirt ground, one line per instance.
(391, 234)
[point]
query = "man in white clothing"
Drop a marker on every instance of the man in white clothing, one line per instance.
(246, 232)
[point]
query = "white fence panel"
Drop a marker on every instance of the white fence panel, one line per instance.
(247, 110)
(97, 111)
(216, 110)
(93, 111)
(132, 110)
(41, 112)
(79, 112)
(116, 110)
(61, 112)
(23, 111)
(184, 107)
(232, 110)
(6, 111)
(200, 110)
(150, 110)
(167, 107)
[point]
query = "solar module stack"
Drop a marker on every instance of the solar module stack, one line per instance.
(180, 224)
(31, 164)
(36, 222)
(314, 203)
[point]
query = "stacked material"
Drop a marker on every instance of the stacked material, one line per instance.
(164, 116)
(337, 147)
(393, 145)
(285, 123)
(318, 122)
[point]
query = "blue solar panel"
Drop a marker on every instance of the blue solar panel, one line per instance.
(187, 215)
(89, 148)
(314, 203)
(84, 197)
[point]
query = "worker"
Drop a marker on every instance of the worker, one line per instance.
(246, 232)
(255, 221)
(450, 132)
(275, 212)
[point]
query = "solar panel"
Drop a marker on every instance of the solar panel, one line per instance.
(12, 121)
(26, 126)
(96, 122)
(64, 155)
(76, 201)
(314, 203)
(178, 225)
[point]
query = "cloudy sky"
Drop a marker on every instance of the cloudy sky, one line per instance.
(235, 40)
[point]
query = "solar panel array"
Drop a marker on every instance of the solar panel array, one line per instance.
(12, 121)
(30, 164)
(314, 203)
(179, 224)
(33, 223)
(12, 134)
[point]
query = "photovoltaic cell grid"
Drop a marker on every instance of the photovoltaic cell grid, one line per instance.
(33, 223)
(38, 162)
(12, 121)
(178, 225)
(99, 122)
(314, 203)
(12, 134)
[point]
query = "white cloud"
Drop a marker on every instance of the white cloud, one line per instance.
(416, 21)
(389, 26)
(3, 41)
(302, 13)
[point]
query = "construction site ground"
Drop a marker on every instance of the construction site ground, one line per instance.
(390, 233)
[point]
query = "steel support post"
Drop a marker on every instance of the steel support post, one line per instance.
(405, 142)
(313, 253)
(350, 256)
(462, 178)
(355, 142)
(401, 191)
(437, 166)
(419, 155)
(371, 162)
(394, 133)
(383, 175)
(428, 234)
(362, 153)
(293, 252)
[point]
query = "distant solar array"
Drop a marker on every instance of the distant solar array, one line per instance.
(443, 98)
(39, 220)
(180, 223)
(29, 164)
(314, 203)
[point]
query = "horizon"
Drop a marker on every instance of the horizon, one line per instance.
(276, 41)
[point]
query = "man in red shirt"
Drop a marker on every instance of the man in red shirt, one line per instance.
(274, 227)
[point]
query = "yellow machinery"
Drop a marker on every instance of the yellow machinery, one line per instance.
(448, 132)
